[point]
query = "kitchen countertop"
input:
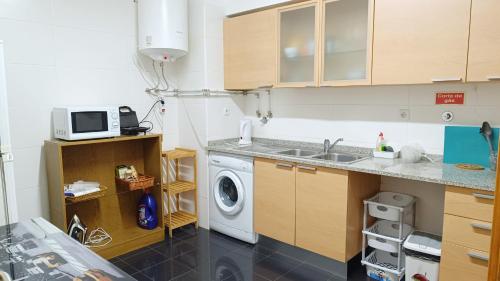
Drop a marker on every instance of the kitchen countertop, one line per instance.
(437, 172)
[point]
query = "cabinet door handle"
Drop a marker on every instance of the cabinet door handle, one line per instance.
(449, 79)
(284, 165)
(307, 168)
(479, 225)
(478, 256)
(265, 87)
(483, 196)
(493, 77)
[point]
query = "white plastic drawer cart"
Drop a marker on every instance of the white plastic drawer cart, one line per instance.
(395, 214)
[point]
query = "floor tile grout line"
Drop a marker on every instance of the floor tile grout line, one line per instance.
(115, 258)
(263, 277)
(183, 274)
(293, 268)
(320, 268)
(177, 256)
(148, 267)
(290, 256)
(128, 264)
(149, 278)
(138, 251)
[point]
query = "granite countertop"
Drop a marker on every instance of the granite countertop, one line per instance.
(437, 172)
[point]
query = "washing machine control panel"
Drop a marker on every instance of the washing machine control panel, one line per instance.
(234, 163)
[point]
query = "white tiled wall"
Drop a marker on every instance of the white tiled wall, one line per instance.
(204, 119)
(358, 114)
(61, 52)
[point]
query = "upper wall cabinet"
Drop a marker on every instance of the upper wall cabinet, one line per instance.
(298, 31)
(346, 45)
(250, 51)
(484, 44)
(420, 41)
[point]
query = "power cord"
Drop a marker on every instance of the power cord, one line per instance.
(149, 112)
(98, 238)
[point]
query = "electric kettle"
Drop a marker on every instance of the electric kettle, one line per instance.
(245, 132)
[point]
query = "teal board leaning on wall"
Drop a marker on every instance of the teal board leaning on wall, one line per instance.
(467, 145)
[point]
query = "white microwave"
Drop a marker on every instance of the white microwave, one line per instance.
(90, 122)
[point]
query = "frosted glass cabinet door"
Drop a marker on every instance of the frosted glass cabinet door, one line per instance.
(297, 45)
(346, 45)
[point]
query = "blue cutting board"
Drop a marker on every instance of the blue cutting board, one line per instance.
(467, 145)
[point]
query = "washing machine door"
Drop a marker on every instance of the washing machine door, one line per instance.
(228, 192)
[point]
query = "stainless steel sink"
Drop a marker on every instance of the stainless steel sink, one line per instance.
(341, 157)
(297, 152)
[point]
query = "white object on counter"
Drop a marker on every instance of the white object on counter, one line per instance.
(412, 153)
(80, 188)
(245, 132)
(386, 154)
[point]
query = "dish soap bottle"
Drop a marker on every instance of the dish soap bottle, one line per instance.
(146, 211)
(380, 145)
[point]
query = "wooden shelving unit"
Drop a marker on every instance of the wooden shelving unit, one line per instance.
(178, 218)
(116, 209)
(180, 186)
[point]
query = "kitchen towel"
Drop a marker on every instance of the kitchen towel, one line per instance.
(467, 145)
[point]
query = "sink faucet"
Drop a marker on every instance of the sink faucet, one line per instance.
(327, 147)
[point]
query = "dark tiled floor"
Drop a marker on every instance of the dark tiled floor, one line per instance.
(207, 255)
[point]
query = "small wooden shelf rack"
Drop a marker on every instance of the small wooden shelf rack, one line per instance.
(114, 208)
(178, 218)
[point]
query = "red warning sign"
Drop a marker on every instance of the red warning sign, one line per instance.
(450, 98)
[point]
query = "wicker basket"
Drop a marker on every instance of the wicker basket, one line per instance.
(87, 197)
(142, 182)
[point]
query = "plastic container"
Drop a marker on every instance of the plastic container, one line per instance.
(384, 235)
(423, 254)
(380, 144)
(147, 211)
(390, 205)
(385, 154)
(382, 266)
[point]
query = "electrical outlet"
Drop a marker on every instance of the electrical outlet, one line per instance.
(227, 111)
(163, 108)
(404, 113)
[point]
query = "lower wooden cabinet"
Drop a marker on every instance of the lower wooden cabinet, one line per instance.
(469, 203)
(466, 234)
(274, 199)
(470, 233)
(318, 209)
(321, 205)
(461, 263)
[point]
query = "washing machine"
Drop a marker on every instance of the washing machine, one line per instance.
(231, 196)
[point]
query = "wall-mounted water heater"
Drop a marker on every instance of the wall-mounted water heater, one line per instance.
(163, 28)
